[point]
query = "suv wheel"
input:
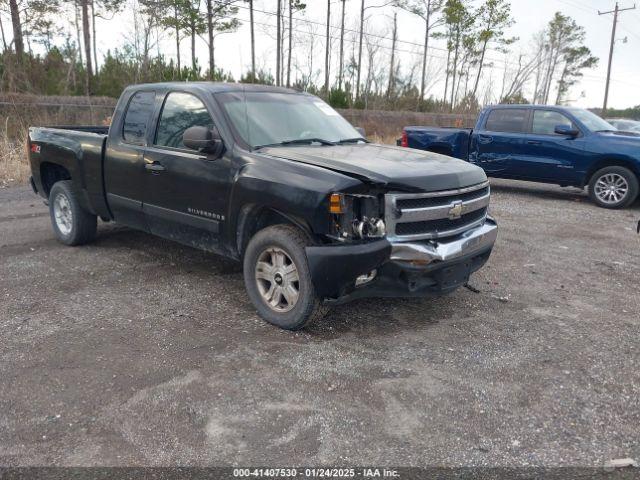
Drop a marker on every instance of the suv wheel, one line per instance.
(613, 187)
(277, 278)
(72, 224)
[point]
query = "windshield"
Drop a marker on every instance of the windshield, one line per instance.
(591, 120)
(267, 118)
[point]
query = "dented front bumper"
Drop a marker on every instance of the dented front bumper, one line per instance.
(403, 269)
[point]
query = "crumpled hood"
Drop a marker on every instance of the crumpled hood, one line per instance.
(393, 167)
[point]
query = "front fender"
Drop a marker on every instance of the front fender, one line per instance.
(294, 190)
(335, 267)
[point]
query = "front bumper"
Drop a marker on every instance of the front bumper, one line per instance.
(406, 269)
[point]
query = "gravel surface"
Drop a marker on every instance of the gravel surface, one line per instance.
(137, 351)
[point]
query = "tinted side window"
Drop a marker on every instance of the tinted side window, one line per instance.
(507, 120)
(137, 117)
(546, 121)
(180, 111)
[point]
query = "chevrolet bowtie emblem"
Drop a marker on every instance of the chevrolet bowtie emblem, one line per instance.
(455, 211)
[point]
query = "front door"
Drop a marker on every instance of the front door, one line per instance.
(549, 156)
(186, 191)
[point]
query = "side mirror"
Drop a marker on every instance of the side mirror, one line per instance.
(566, 130)
(361, 131)
(203, 139)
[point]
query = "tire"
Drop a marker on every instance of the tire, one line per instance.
(267, 267)
(622, 179)
(72, 224)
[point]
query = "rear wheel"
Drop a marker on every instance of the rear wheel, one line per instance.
(277, 278)
(613, 187)
(72, 224)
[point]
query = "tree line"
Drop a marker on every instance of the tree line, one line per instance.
(350, 63)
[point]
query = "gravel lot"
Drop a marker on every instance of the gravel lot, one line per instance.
(138, 351)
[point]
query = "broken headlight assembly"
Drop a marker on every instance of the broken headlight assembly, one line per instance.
(356, 216)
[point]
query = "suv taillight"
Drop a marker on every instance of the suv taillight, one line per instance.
(404, 142)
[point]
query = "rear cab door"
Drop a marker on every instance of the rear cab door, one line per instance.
(498, 140)
(124, 172)
(186, 192)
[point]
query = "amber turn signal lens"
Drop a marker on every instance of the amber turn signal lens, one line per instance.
(335, 203)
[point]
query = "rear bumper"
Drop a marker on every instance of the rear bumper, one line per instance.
(411, 269)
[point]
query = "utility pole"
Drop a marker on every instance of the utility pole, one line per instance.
(615, 12)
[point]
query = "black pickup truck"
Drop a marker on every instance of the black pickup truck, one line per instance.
(277, 179)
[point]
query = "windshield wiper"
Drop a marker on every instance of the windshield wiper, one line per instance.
(352, 140)
(298, 141)
(606, 131)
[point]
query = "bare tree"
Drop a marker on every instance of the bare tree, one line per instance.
(426, 10)
(514, 79)
(253, 42)
(104, 9)
(4, 39)
(290, 43)
(360, 50)
(77, 21)
(327, 47)
(340, 68)
(375, 70)
(394, 38)
(278, 35)
(93, 29)
(18, 41)
(220, 20)
(308, 72)
(87, 45)
(294, 5)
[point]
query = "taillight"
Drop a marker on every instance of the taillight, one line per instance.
(405, 140)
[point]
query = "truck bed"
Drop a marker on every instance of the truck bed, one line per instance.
(447, 141)
(79, 150)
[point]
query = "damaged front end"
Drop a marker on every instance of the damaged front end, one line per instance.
(356, 244)
(394, 244)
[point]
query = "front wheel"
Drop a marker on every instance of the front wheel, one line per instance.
(613, 187)
(277, 278)
(72, 224)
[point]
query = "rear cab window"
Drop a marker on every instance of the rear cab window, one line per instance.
(138, 116)
(509, 120)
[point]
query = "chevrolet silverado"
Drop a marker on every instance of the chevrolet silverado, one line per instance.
(276, 179)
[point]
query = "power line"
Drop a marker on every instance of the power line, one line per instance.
(588, 10)
(349, 30)
(410, 52)
(615, 12)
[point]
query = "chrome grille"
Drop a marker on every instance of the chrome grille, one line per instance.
(416, 216)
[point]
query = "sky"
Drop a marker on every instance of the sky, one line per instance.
(233, 49)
